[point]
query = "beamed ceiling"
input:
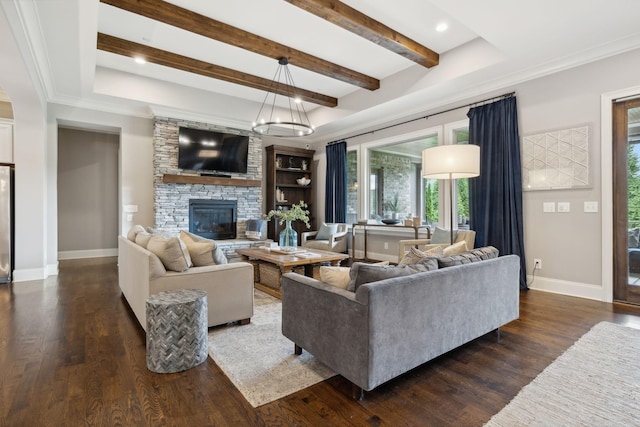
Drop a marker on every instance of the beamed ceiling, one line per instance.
(333, 11)
(358, 64)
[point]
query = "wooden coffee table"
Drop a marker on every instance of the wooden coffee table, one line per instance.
(287, 263)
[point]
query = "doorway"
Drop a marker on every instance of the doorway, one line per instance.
(626, 200)
(87, 193)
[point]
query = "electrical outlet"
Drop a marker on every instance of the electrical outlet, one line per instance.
(537, 264)
(386, 245)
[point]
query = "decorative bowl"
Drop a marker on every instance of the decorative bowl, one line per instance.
(303, 181)
(391, 221)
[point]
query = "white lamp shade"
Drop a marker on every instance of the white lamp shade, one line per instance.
(451, 161)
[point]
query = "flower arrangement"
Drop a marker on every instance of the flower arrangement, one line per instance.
(295, 212)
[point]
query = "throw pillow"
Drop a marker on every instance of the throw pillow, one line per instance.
(487, 252)
(416, 255)
(203, 251)
(441, 236)
(425, 264)
(172, 253)
(131, 235)
(367, 273)
(335, 276)
(456, 248)
(458, 259)
(142, 238)
(634, 238)
(353, 272)
(326, 230)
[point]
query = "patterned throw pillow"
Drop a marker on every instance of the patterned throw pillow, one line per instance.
(474, 255)
(415, 255)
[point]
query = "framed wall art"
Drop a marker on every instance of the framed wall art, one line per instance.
(556, 160)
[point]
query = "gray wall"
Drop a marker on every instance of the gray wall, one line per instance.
(569, 244)
(87, 193)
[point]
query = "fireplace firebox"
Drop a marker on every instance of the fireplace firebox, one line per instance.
(213, 219)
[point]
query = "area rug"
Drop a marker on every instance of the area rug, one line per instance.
(596, 382)
(259, 360)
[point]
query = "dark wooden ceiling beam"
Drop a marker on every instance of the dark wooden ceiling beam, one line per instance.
(350, 19)
(191, 21)
(120, 46)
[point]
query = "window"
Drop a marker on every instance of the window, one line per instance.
(460, 135)
(389, 173)
(396, 188)
(352, 186)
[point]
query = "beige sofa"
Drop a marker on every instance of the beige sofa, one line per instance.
(229, 286)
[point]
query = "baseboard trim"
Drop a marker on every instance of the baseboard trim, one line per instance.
(52, 269)
(90, 253)
(563, 287)
(26, 275)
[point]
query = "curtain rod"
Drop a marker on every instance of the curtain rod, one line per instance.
(505, 95)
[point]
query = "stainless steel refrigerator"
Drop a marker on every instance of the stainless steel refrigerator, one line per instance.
(6, 222)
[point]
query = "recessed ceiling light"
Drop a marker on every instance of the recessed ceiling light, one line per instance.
(442, 27)
(139, 60)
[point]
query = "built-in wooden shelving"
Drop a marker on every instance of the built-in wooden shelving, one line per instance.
(210, 180)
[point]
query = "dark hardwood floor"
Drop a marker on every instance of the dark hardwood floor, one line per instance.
(72, 353)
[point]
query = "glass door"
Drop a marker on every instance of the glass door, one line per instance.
(626, 200)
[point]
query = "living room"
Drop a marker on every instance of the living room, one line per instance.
(553, 92)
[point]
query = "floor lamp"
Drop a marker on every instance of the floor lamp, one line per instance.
(451, 162)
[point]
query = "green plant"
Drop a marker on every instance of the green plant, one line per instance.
(393, 205)
(295, 212)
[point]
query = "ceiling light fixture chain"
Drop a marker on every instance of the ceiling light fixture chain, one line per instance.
(296, 121)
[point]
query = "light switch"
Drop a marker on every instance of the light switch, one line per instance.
(131, 208)
(549, 207)
(129, 217)
(591, 207)
(564, 207)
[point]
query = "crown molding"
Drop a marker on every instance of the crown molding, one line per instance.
(24, 20)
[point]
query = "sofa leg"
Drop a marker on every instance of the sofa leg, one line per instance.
(245, 321)
(297, 349)
(357, 392)
(499, 334)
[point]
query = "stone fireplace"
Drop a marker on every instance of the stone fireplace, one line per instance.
(172, 200)
(213, 219)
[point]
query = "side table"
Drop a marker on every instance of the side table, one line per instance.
(176, 330)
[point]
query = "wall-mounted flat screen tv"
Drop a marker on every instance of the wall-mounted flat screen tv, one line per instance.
(206, 150)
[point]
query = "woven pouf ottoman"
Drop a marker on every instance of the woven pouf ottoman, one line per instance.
(176, 330)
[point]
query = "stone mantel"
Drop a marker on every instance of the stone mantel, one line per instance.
(210, 180)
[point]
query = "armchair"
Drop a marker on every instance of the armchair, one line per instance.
(469, 236)
(330, 237)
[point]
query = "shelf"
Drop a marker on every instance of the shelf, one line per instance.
(210, 180)
(293, 170)
(292, 186)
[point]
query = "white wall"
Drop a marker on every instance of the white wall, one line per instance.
(569, 244)
(29, 112)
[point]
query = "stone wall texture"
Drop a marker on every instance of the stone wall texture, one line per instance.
(171, 201)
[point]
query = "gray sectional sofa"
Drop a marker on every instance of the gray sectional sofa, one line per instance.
(390, 326)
